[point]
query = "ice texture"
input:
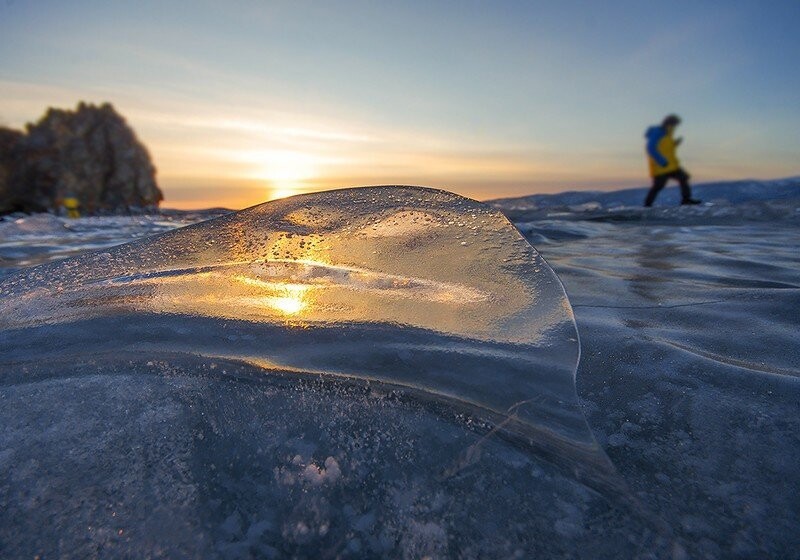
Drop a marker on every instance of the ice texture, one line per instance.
(27, 240)
(384, 371)
(690, 364)
(734, 196)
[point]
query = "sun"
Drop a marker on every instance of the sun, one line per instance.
(275, 194)
(284, 171)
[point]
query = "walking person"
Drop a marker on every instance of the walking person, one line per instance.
(664, 164)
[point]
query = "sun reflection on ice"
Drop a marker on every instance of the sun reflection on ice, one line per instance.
(291, 304)
(285, 298)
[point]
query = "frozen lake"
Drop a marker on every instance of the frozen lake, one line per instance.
(424, 403)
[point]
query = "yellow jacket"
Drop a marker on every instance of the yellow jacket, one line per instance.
(661, 151)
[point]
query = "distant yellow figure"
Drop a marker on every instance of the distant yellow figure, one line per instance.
(71, 204)
(663, 160)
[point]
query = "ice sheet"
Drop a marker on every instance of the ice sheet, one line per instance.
(369, 362)
(27, 240)
(690, 368)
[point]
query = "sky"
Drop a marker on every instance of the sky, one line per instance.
(241, 102)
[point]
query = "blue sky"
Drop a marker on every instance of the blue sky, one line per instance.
(240, 102)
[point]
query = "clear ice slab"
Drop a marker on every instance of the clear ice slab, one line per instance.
(345, 356)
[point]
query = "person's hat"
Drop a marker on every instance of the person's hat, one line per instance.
(671, 120)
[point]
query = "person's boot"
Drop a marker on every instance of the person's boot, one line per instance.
(690, 201)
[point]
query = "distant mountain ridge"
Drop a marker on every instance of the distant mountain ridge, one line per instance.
(732, 192)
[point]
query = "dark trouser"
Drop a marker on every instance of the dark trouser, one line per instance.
(660, 181)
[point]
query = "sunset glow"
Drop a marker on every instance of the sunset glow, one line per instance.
(282, 169)
(249, 103)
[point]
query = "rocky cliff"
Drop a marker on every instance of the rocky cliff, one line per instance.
(90, 154)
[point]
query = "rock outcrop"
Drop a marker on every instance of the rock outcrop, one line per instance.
(90, 154)
(8, 140)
